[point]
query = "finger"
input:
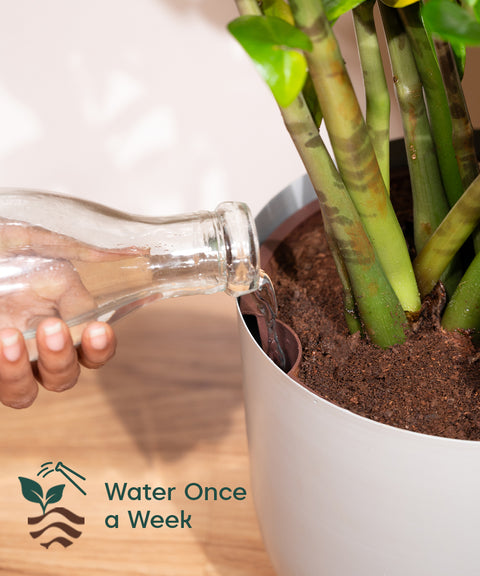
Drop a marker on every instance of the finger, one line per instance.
(54, 245)
(18, 388)
(57, 363)
(98, 345)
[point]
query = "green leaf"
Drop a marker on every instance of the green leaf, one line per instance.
(399, 3)
(335, 8)
(275, 47)
(54, 494)
(451, 22)
(31, 490)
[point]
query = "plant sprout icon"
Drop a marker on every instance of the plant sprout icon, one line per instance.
(48, 467)
(58, 517)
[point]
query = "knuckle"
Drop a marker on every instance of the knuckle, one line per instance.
(58, 376)
(58, 364)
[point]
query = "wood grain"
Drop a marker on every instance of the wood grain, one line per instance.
(165, 412)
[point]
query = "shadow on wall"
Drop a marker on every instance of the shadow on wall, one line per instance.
(217, 12)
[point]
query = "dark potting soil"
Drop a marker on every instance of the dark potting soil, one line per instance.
(430, 384)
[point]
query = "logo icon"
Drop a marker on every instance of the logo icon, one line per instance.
(58, 524)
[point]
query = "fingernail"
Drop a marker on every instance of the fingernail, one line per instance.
(98, 337)
(11, 346)
(54, 336)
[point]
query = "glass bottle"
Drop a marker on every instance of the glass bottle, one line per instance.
(81, 261)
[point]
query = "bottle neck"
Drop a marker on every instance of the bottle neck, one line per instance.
(241, 249)
(201, 252)
(207, 252)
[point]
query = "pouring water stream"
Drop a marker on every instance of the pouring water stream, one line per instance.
(265, 304)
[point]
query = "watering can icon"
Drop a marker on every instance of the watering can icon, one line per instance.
(68, 473)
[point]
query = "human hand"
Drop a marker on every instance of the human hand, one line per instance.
(39, 288)
(58, 364)
(39, 277)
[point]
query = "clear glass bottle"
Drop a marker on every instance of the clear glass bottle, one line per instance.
(81, 261)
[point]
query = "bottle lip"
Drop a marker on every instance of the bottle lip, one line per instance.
(241, 248)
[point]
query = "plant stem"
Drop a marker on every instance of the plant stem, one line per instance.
(448, 238)
(462, 128)
(437, 102)
(463, 310)
(354, 151)
(376, 89)
(463, 133)
(429, 202)
(377, 303)
(350, 310)
(360, 273)
(311, 100)
(248, 7)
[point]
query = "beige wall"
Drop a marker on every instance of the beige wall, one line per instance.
(146, 105)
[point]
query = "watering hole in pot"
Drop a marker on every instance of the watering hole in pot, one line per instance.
(277, 340)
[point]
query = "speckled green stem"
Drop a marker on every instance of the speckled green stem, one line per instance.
(463, 132)
(437, 102)
(354, 151)
(378, 306)
(376, 89)
(448, 238)
(463, 310)
(350, 310)
(429, 201)
(312, 102)
(248, 7)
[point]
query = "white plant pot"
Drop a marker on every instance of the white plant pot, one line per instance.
(340, 495)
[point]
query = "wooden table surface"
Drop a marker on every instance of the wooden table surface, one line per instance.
(166, 412)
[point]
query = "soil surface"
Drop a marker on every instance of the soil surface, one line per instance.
(430, 384)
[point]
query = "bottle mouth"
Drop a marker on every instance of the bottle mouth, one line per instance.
(241, 248)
